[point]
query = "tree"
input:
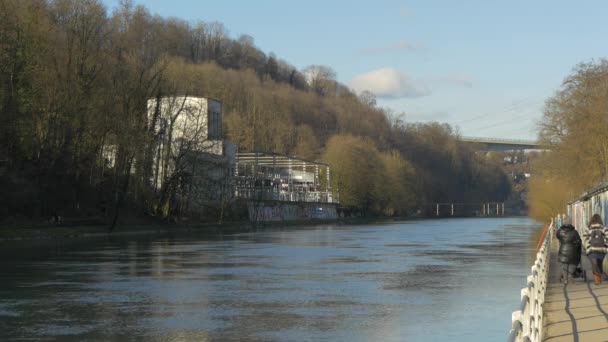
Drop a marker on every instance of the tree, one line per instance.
(574, 124)
(367, 98)
(77, 134)
(180, 125)
(356, 170)
(307, 145)
(272, 67)
(398, 184)
(321, 79)
(216, 39)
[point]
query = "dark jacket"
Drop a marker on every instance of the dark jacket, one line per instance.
(569, 245)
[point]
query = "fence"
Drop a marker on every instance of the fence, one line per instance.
(527, 322)
(287, 196)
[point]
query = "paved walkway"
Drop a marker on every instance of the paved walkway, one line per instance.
(577, 312)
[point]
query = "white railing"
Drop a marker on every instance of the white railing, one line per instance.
(287, 196)
(501, 141)
(527, 322)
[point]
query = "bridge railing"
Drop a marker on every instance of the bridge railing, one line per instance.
(500, 141)
(527, 322)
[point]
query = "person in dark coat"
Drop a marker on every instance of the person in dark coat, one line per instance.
(569, 254)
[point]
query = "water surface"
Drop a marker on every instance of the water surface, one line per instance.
(431, 280)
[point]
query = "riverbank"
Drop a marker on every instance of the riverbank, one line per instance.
(39, 230)
(20, 230)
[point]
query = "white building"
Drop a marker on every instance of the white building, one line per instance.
(190, 146)
(195, 122)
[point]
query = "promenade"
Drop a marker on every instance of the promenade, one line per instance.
(577, 312)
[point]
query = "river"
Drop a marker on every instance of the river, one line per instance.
(427, 280)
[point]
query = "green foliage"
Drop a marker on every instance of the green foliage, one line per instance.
(356, 170)
(396, 185)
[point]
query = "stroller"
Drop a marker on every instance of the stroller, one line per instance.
(579, 272)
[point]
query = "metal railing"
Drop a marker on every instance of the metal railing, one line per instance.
(287, 196)
(527, 322)
(501, 141)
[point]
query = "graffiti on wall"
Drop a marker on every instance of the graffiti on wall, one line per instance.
(582, 210)
(282, 211)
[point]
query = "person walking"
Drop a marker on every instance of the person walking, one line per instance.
(569, 254)
(596, 246)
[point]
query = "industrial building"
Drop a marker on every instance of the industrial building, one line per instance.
(191, 154)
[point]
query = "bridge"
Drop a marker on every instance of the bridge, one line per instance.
(498, 144)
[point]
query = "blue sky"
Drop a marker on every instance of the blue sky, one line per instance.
(485, 67)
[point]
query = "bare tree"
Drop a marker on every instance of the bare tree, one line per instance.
(321, 79)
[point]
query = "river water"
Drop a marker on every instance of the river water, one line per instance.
(428, 280)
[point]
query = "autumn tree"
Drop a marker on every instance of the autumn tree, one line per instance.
(398, 187)
(574, 125)
(77, 135)
(321, 78)
(354, 163)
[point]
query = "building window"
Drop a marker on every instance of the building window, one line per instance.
(215, 126)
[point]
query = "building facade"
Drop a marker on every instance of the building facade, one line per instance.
(189, 150)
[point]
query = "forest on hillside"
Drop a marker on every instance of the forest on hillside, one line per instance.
(75, 79)
(574, 125)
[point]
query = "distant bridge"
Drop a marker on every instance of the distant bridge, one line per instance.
(498, 144)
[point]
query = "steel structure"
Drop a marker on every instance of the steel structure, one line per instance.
(498, 144)
(271, 176)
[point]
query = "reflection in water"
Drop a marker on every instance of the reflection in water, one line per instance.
(389, 282)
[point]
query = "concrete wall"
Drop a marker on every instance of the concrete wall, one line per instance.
(274, 211)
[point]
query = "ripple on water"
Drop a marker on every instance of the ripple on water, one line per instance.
(5, 313)
(353, 283)
(421, 277)
(62, 328)
(349, 259)
(406, 245)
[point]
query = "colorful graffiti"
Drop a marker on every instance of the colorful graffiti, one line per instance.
(274, 211)
(582, 210)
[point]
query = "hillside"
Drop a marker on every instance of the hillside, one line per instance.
(75, 79)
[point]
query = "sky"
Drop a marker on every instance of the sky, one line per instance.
(484, 67)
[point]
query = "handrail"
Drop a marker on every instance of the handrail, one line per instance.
(527, 322)
(541, 240)
(500, 140)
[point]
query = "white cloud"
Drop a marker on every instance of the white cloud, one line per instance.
(388, 83)
(399, 46)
